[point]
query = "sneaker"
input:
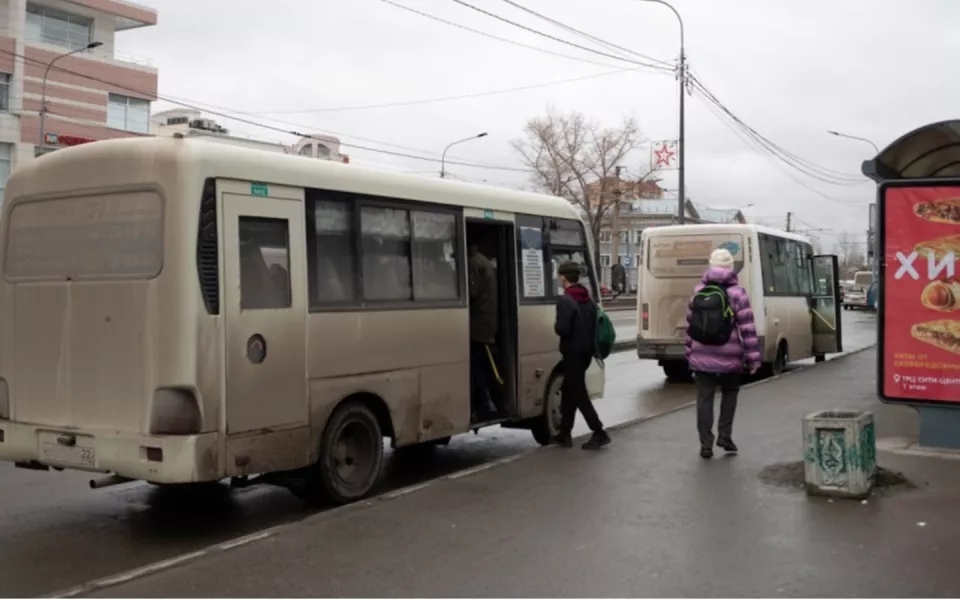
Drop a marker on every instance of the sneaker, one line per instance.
(728, 445)
(597, 440)
(563, 440)
(706, 452)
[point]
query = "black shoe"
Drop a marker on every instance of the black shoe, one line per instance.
(563, 440)
(706, 452)
(728, 445)
(598, 440)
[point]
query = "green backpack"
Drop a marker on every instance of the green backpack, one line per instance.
(606, 335)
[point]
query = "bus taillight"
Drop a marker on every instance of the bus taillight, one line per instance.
(645, 316)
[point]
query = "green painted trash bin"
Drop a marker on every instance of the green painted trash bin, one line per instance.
(840, 453)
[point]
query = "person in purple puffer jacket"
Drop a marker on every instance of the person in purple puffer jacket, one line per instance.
(722, 365)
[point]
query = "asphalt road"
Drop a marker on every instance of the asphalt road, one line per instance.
(56, 533)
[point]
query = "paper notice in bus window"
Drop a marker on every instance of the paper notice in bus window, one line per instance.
(89, 238)
(531, 257)
(688, 256)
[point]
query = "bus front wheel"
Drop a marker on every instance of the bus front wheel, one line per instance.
(547, 426)
(351, 456)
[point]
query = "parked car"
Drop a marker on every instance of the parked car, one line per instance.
(855, 298)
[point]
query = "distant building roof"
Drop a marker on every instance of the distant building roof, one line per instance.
(720, 215)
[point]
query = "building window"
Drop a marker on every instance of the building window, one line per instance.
(307, 150)
(4, 91)
(323, 151)
(604, 260)
(6, 156)
(605, 235)
(128, 114)
(51, 26)
(264, 263)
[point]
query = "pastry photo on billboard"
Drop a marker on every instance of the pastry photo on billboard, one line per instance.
(940, 247)
(944, 334)
(939, 211)
(942, 295)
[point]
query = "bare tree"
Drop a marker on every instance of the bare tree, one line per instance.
(850, 255)
(575, 158)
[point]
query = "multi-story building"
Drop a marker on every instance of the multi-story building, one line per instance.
(92, 93)
(191, 123)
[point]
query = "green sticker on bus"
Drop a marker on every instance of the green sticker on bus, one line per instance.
(487, 214)
(259, 189)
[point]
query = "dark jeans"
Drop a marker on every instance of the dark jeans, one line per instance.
(574, 394)
(707, 384)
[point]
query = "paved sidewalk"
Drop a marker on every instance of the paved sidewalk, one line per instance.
(646, 517)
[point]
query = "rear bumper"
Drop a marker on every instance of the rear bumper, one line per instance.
(181, 459)
(660, 349)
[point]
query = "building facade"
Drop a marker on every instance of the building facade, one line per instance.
(91, 94)
(192, 123)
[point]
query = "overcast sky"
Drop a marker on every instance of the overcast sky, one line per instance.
(790, 70)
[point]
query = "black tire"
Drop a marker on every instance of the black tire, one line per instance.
(351, 456)
(819, 358)
(547, 426)
(780, 362)
(677, 370)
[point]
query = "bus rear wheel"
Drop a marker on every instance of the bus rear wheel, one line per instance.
(351, 456)
(547, 426)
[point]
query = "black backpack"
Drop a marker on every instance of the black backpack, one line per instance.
(711, 318)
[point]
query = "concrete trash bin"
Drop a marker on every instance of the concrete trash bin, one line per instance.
(839, 453)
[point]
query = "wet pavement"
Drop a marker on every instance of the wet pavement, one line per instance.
(56, 533)
(646, 517)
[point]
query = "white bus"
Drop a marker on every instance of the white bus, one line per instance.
(178, 311)
(794, 293)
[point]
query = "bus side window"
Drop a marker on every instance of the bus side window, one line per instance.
(260, 286)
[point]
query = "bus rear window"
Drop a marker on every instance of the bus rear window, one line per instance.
(688, 256)
(110, 236)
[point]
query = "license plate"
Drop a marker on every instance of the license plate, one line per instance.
(77, 455)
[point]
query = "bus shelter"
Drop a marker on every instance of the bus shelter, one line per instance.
(917, 244)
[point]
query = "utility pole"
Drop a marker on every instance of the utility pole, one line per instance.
(616, 220)
(681, 162)
(789, 219)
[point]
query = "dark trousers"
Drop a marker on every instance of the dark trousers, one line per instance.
(574, 394)
(707, 384)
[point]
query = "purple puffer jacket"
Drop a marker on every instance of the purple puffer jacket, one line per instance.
(733, 356)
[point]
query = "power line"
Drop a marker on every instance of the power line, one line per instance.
(586, 35)
(496, 37)
(764, 152)
(257, 124)
(806, 167)
(444, 98)
(557, 39)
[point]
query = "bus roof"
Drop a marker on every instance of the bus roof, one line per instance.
(722, 228)
(133, 160)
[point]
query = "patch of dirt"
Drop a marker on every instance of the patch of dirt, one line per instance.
(790, 474)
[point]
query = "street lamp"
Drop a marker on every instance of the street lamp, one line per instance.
(43, 95)
(682, 201)
(853, 137)
(443, 158)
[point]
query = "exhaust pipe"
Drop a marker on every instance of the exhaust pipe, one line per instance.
(109, 480)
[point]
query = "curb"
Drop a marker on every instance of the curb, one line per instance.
(164, 565)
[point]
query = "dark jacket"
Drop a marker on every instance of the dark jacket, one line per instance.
(576, 322)
(483, 299)
(742, 350)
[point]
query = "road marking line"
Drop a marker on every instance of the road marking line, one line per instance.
(471, 471)
(407, 490)
(246, 540)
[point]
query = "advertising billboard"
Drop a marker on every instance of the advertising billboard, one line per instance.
(919, 333)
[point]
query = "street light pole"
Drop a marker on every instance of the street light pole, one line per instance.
(853, 137)
(443, 158)
(43, 94)
(682, 77)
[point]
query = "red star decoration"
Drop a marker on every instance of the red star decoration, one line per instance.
(664, 155)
